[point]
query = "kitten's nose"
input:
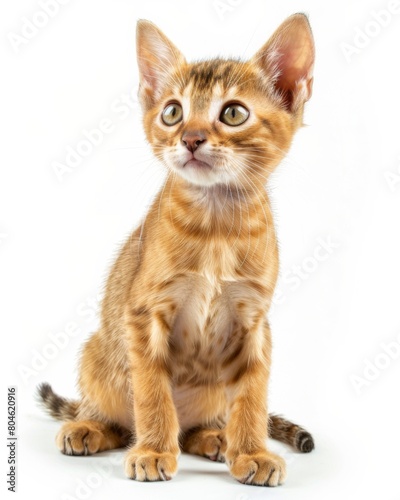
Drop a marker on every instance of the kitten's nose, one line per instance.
(192, 140)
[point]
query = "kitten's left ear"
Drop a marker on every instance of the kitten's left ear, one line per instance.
(288, 59)
(156, 56)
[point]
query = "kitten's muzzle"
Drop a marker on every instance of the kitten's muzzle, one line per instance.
(197, 160)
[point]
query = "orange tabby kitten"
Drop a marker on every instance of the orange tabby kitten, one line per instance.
(182, 358)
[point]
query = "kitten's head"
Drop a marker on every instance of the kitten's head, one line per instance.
(225, 121)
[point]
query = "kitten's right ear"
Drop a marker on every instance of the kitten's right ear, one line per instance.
(156, 56)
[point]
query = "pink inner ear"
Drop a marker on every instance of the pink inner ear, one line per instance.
(156, 56)
(149, 73)
(152, 69)
(289, 58)
(295, 60)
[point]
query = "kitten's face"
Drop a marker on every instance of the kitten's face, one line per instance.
(221, 121)
(215, 124)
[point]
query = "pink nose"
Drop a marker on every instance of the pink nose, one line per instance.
(192, 140)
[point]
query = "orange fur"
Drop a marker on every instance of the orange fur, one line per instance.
(184, 349)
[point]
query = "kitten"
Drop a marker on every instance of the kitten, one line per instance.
(182, 358)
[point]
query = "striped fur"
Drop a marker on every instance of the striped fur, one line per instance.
(182, 357)
(290, 433)
(58, 407)
(279, 428)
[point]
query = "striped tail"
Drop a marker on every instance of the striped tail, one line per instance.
(279, 428)
(58, 407)
(290, 433)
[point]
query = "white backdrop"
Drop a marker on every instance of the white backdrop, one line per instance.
(69, 71)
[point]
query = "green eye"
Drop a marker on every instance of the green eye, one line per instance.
(234, 115)
(172, 114)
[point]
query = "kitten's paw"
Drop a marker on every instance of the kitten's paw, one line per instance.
(146, 465)
(209, 443)
(262, 469)
(79, 438)
(214, 446)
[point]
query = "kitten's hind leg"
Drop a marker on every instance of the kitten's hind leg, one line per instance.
(90, 436)
(209, 443)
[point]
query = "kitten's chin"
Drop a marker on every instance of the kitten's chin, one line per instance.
(199, 173)
(197, 164)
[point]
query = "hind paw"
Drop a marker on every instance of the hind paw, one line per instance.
(87, 437)
(79, 438)
(209, 443)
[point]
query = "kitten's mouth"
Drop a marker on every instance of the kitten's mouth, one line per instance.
(197, 164)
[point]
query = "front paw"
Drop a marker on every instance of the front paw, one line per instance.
(147, 465)
(262, 469)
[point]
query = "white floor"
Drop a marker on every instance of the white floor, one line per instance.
(341, 466)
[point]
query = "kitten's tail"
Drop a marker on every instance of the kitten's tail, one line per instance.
(279, 428)
(58, 407)
(290, 433)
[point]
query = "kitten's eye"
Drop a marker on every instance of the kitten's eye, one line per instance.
(172, 114)
(234, 114)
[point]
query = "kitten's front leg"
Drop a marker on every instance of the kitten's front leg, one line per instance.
(248, 459)
(154, 455)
